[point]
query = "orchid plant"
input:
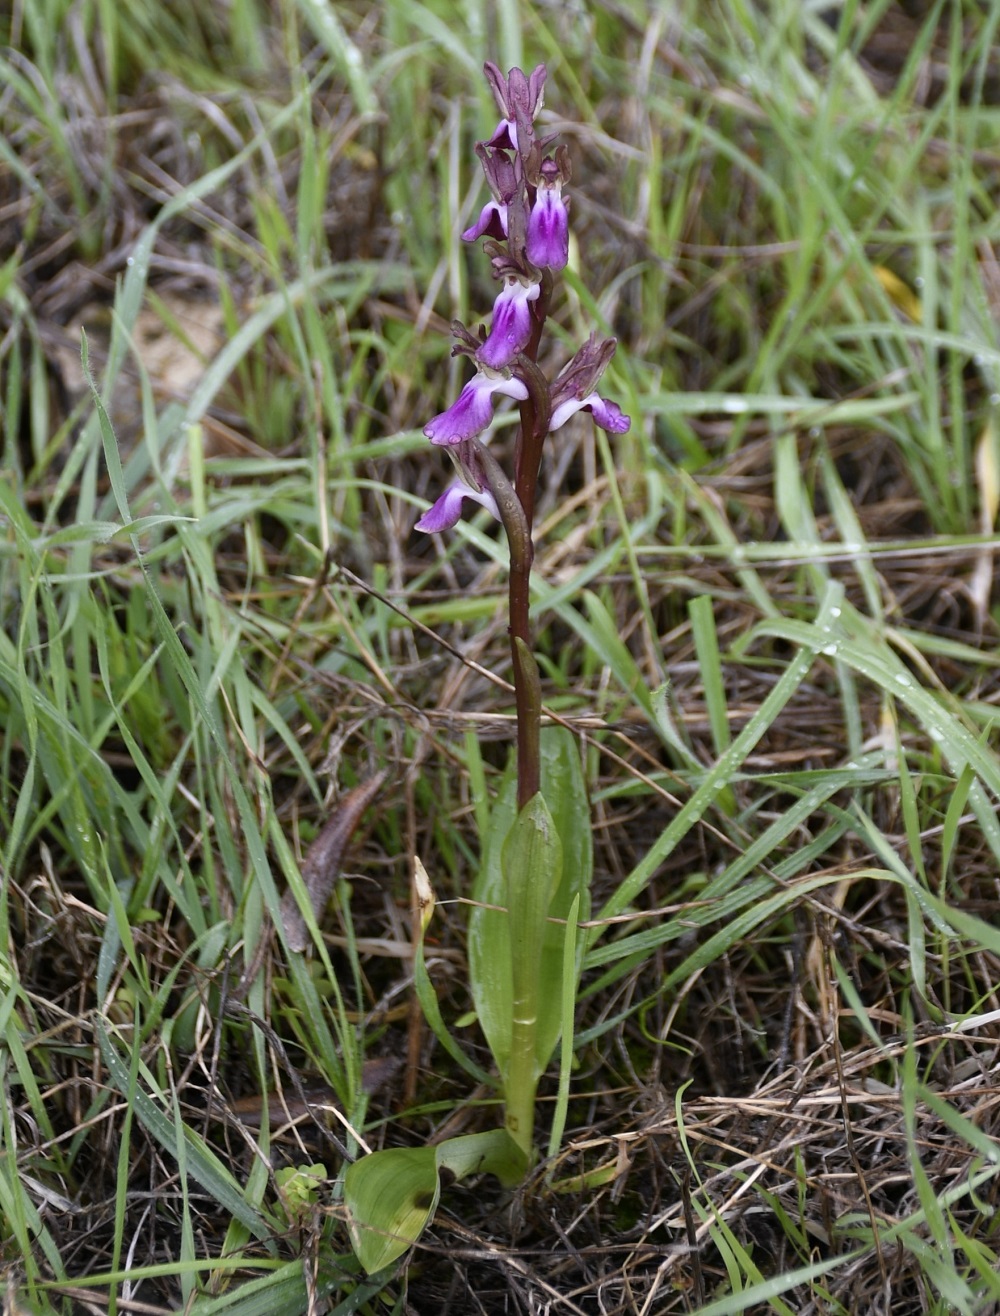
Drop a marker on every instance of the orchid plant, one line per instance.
(533, 886)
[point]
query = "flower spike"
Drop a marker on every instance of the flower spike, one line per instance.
(526, 226)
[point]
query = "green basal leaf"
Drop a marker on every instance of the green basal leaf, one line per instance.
(490, 961)
(532, 865)
(531, 860)
(392, 1195)
(493, 1152)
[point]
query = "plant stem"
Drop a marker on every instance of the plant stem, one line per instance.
(527, 688)
(526, 693)
(535, 414)
(535, 410)
(521, 1086)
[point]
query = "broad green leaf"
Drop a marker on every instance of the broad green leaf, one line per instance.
(489, 928)
(531, 860)
(392, 1195)
(493, 1152)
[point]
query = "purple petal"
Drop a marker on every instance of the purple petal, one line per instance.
(498, 84)
(447, 511)
(548, 228)
(492, 223)
(511, 327)
(608, 415)
(536, 88)
(472, 412)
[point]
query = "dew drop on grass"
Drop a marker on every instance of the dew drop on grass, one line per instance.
(130, 260)
(829, 650)
(834, 612)
(814, 431)
(904, 681)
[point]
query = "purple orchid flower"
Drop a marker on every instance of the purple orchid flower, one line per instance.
(472, 412)
(447, 511)
(548, 223)
(502, 178)
(492, 223)
(504, 135)
(511, 327)
(575, 388)
(608, 415)
(548, 228)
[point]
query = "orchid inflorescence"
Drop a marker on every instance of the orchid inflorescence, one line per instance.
(527, 231)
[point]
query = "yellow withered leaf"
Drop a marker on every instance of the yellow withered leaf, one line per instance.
(899, 293)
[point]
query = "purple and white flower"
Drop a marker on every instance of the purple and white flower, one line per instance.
(574, 389)
(608, 415)
(548, 227)
(517, 97)
(504, 135)
(472, 411)
(492, 223)
(511, 326)
(447, 511)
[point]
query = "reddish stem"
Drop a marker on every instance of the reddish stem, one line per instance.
(526, 698)
(535, 414)
(535, 409)
(527, 691)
